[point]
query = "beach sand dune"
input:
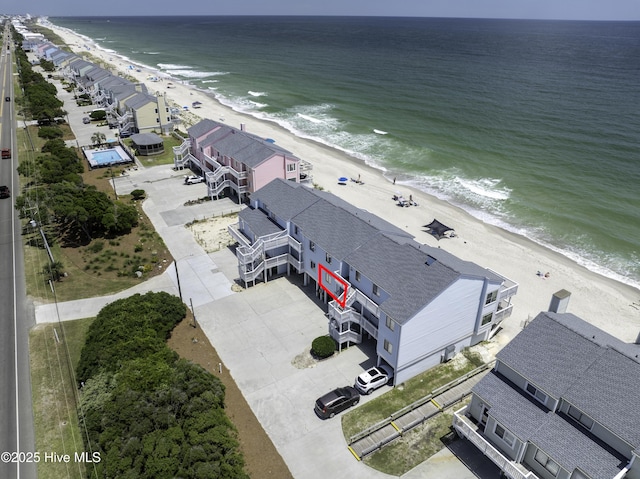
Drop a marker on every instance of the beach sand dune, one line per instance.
(608, 304)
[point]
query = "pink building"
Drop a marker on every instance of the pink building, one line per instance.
(234, 162)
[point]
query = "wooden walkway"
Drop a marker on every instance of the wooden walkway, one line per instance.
(396, 426)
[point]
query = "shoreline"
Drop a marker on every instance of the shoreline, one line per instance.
(412, 182)
(616, 309)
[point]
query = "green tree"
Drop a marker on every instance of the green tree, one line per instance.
(98, 138)
(53, 271)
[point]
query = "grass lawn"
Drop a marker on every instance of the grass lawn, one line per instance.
(416, 388)
(97, 267)
(415, 447)
(53, 360)
(165, 158)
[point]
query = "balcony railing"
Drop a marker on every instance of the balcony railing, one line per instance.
(502, 314)
(342, 337)
(235, 232)
(466, 428)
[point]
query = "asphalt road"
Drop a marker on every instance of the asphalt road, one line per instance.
(17, 443)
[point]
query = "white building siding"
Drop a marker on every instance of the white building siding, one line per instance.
(449, 319)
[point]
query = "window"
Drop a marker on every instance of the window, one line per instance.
(388, 347)
(327, 277)
(328, 258)
(583, 419)
(312, 246)
(291, 167)
(546, 462)
(536, 393)
(505, 435)
(376, 290)
(390, 323)
(491, 297)
(313, 265)
(357, 275)
(487, 318)
(295, 230)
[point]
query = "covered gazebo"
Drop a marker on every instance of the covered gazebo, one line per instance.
(147, 144)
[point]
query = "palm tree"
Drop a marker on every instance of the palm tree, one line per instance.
(98, 138)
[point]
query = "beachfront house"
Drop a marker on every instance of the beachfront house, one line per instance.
(561, 402)
(235, 162)
(129, 106)
(419, 305)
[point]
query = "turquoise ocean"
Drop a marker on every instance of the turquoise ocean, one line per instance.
(533, 126)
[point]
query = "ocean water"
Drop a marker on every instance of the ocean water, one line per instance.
(533, 126)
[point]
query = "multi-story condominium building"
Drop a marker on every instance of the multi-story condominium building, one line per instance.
(418, 304)
(562, 401)
(235, 162)
(131, 108)
(129, 105)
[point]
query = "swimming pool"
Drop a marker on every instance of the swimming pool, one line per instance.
(108, 157)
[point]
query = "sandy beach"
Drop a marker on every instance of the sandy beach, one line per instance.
(608, 304)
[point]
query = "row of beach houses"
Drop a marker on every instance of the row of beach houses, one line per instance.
(563, 399)
(130, 107)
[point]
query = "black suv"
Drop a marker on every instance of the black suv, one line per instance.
(336, 401)
(4, 192)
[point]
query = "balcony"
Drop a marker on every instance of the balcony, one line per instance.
(465, 428)
(342, 337)
(503, 312)
(236, 234)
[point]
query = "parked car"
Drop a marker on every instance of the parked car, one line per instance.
(4, 192)
(373, 378)
(86, 120)
(336, 401)
(193, 179)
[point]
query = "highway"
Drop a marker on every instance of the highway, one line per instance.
(16, 316)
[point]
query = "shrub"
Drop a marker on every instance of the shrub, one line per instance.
(323, 347)
(96, 247)
(50, 132)
(138, 194)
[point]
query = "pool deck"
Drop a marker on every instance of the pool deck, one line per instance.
(99, 158)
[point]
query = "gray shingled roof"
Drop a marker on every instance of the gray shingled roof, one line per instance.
(382, 252)
(549, 355)
(258, 222)
(233, 143)
(573, 447)
(145, 139)
(509, 406)
(566, 443)
(571, 359)
(202, 127)
(335, 230)
(285, 198)
(401, 270)
(609, 392)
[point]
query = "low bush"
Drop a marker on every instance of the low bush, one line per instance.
(138, 194)
(323, 347)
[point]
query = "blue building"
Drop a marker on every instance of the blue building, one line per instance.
(419, 304)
